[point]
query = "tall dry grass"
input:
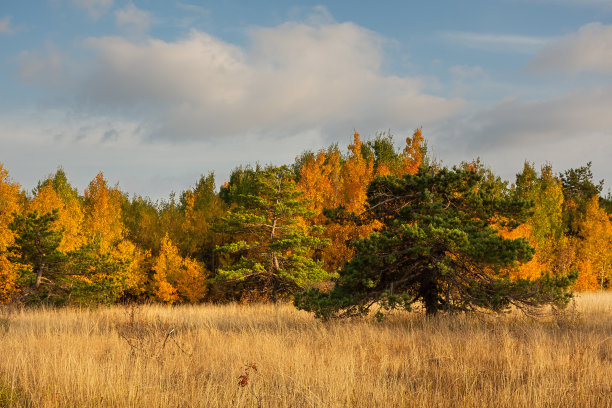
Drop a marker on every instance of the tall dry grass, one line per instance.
(191, 356)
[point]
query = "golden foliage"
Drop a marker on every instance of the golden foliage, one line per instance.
(413, 154)
(328, 182)
(10, 202)
(177, 278)
(136, 271)
(532, 269)
(320, 180)
(355, 175)
(8, 280)
(70, 215)
(595, 247)
(102, 219)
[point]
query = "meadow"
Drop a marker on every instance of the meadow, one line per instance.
(264, 355)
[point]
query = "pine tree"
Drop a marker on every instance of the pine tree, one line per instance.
(436, 245)
(36, 245)
(578, 189)
(271, 253)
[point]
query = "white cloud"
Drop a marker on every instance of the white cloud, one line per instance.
(86, 144)
(513, 122)
(95, 8)
(496, 42)
(290, 79)
(5, 25)
(134, 21)
(293, 87)
(567, 131)
(45, 67)
(587, 50)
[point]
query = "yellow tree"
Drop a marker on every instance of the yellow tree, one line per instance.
(320, 180)
(201, 208)
(102, 221)
(69, 211)
(10, 202)
(103, 227)
(329, 182)
(322, 184)
(544, 229)
(356, 174)
(176, 278)
(412, 156)
(595, 248)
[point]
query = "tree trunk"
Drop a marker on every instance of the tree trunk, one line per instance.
(429, 293)
(39, 274)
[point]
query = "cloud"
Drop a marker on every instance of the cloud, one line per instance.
(568, 131)
(45, 67)
(5, 25)
(496, 42)
(195, 9)
(292, 77)
(514, 123)
(95, 8)
(134, 21)
(587, 50)
(289, 79)
(87, 144)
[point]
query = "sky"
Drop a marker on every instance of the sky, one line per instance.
(157, 93)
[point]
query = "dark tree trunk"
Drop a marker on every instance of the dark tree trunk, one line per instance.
(429, 293)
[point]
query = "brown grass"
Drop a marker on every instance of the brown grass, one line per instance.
(192, 356)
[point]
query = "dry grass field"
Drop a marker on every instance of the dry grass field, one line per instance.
(155, 356)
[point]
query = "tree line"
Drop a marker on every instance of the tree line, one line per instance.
(345, 230)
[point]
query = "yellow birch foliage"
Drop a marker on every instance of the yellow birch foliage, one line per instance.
(382, 170)
(136, 271)
(70, 215)
(595, 248)
(195, 225)
(10, 202)
(177, 278)
(544, 228)
(532, 269)
(103, 224)
(412, 156)
(321, 183)
(103, 213)
(320, 180)
(329, 183)
(356, 174)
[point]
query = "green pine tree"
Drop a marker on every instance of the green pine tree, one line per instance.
(36, 246)
(271, 244)
(438, 246)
